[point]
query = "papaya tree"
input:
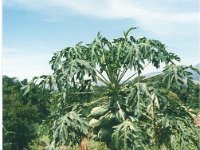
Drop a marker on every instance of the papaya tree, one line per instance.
(130, 112)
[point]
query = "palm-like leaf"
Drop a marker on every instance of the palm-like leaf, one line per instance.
(68, 130)
(129, 135)
(136, 114)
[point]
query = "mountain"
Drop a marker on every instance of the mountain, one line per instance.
(195, 75)
(150, 74)
(197, 65)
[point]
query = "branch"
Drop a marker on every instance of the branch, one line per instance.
(106, 82)
(133, 75)
(128, 79)
(88, 104)
(108, 73)
(101, 76)
(122, 74)
(79, 106)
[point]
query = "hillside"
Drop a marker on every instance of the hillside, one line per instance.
(195, 75)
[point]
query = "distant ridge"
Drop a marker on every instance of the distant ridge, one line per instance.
(195, 75)
(150, 74)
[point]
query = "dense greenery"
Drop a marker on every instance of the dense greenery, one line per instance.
(22, 114)
(137, 112)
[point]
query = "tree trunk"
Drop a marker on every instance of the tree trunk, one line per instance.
(197, 120)
(84, 144)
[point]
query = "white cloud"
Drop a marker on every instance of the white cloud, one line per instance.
(112, 9)
(167, 18)
(152, 15)
(24, 63)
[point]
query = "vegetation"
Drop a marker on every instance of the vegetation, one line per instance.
(126, 113)
(21, 114)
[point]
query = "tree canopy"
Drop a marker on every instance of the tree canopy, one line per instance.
(127, 113)
(22, 114)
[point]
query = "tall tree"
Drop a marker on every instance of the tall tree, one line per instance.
(132, 113)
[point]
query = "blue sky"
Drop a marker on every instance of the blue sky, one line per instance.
(34, 30)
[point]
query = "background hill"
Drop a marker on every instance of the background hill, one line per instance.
(195, 75)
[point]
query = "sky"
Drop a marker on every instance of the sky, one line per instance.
(34, 30)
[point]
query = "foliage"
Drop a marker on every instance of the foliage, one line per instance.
(68, 130)
(43, 143)
(21, 115)
(131, 114)
(130, 135)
